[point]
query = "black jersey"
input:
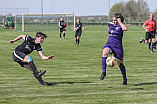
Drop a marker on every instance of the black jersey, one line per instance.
(79, 27)
(62, 23)
(28, 45)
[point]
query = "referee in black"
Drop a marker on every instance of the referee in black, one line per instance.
(62, 28)
(20, 54)
(78, 28)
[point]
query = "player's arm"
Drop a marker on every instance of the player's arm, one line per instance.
(144, 26)
(122, 25)
(83, 28)
(45, 57)
(18, 38)
(59, 25)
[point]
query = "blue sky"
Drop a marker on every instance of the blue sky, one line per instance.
(79, 7)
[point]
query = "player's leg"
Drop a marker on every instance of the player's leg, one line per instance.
(147, 38)
(153, 41)
(41, 80)
(78, 40)
(149, 43)
(123, 71)
(75, 38)
(64, 34)
(118, 53)
(32, 66)
(60, 32)
(106, 51)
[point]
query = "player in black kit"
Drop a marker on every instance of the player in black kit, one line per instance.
(62, 28)
(78, 28)
(20, 54)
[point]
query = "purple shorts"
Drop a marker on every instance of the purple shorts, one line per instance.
(116, 50)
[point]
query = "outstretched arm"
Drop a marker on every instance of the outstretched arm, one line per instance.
(45, 57)
(16, 39)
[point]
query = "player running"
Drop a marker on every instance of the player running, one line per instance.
(62, 28)
(114, 45)
(20, 54)
(78, 28)
(150, 34)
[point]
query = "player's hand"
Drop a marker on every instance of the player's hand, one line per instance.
(147, 30)
(50, 57)
(83, 29)
(60, 26)
(12, 41)
(119, 20)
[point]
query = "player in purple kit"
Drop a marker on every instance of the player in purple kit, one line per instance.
(114, 45)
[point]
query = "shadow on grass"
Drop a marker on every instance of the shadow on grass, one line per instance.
(142, 84)
(56, 83)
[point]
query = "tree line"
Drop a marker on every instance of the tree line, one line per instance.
(133, 11)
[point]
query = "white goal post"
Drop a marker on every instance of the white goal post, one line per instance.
(41, 19)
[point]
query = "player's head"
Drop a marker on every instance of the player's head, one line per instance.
(40, 37)
(117, 15)
(151, 16)
(78, 20)
(61, 19)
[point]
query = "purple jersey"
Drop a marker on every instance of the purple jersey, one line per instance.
(114, 42)
(115, 34)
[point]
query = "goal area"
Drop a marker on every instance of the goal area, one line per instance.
(43, 22)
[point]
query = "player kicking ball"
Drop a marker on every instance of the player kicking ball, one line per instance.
(114, 45)
(20, 54)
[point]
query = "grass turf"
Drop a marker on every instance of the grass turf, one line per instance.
(75, 70)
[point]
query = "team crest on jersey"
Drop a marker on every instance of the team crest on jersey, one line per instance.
(117, 28)
(111, 31)
(27, 47)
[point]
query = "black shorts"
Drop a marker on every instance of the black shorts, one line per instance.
(18, 57)
(150, 35)
(61, 29)
(78, 34)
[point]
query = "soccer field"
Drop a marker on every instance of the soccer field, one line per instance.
(75, 71)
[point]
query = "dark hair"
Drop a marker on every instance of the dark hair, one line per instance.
(79, 20)
(119, 15)
(40, 34)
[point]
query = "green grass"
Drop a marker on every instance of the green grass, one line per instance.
(75, 70)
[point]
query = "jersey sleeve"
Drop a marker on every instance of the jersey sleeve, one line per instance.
(146, 23)
(28, 38)
(38, 48)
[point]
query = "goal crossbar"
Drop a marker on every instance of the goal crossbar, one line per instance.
(23, 21)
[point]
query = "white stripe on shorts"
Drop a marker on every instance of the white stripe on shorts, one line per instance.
(17, 56)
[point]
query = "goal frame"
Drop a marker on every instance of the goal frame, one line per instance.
(23, 21)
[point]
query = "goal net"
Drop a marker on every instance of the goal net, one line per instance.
(43, 22)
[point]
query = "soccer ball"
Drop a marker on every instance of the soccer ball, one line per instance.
(111, 61)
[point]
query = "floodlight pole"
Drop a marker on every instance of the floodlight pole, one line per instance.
(109, 11)
(42, 13)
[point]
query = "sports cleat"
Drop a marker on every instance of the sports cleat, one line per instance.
(46, 83)
(125, 82)
(63, 37)
(102, 75)
(39, 74)
(141, 40)
(151, 51)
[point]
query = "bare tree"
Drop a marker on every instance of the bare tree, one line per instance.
(130, 10)
(118, 7)
(142, 10)
(155, 14)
